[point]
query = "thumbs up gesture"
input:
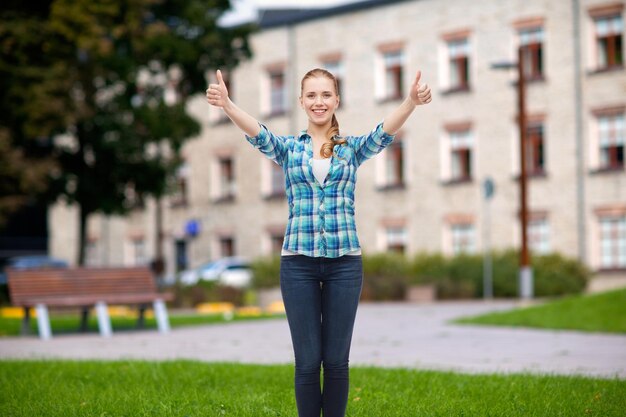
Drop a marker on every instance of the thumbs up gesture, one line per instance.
(217, 94)
(420, 94)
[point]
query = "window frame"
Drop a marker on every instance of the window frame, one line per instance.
(614, 40)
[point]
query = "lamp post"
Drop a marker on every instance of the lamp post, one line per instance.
(525, 273)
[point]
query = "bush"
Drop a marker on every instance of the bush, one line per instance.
(427, 268)
(206, 292)
(385, 277)
(556, 275)
(462, 276)
(266, 272)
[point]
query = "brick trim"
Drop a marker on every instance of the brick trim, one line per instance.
(605, 10)
(457, 126)
(391, 46)
(529, 23)
(393, 222)
(331, 57)
(613, 210)
(456, 35)
(459, 218)
(609, 110)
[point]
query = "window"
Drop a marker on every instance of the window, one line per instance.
(463, 238)
(179, 193)
(278, 92)
(609, 46)
(458, 62)
(395, 238)
(139, 251)
(535, 161)
(272, 180)
(613, 242)
(531, 42)
(539, 235)
(226, 178)
(277, 180)
(272, 241)
(393, 160)
(91, 252)
(461, 155)
(227, 246)
(611, 132)
(276, 243)
(335, 67)
(392, 62)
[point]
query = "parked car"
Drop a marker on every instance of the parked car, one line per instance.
(30, 262)
(232, 271)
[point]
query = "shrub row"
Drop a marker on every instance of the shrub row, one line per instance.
(388, 276)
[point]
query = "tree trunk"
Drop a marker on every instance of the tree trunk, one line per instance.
(82, 233)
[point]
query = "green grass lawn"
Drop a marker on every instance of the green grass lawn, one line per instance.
(604, 312)
(70, 323)
(187, 388)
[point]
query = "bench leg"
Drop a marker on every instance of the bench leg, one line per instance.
(160, 313)
(25, 330)
(141, 320)
(104, 321)
(43, 322)
(84, 319)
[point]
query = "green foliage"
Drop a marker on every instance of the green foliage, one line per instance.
(384, 277)
(604, 312)
(208, 292)
(557, 275)
(462, 276)
(192, 388)
(387, 275)
(266, 272)
(101, 72)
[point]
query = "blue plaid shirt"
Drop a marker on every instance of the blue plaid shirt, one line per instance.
(321, 216)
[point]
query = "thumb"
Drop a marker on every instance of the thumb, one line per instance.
(220, 80)
(418, 76)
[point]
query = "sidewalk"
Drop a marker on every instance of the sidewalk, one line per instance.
(387, 335)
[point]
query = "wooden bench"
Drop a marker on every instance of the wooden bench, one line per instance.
(84, 288)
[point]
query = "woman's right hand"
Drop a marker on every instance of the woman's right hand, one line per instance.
(217, 94)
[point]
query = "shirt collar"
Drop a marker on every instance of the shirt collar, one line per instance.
(304, 135)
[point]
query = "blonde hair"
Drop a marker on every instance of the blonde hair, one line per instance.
(333, 132)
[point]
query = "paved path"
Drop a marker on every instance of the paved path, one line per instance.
(389, 335)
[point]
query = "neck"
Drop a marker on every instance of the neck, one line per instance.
(318, 131)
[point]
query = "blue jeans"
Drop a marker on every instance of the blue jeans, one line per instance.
(321, 297)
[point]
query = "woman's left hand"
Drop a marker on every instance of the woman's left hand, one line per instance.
(420, 94)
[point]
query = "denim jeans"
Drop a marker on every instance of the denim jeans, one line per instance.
(321, 297)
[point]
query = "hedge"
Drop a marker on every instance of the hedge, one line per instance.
(387, 276)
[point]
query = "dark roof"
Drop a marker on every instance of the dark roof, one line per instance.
(269, 18)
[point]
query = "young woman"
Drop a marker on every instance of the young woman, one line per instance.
(321, 266)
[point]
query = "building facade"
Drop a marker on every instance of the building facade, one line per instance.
(423, 193)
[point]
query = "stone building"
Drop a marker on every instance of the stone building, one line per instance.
(423, 193)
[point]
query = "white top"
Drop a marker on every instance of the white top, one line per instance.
(320, 171)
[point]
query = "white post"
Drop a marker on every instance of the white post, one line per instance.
(43, 322)
(104, 321)
(526, 282)
(160, 313)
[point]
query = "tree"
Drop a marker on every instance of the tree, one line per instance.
(75, 72)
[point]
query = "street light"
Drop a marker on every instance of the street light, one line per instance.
(526, 272)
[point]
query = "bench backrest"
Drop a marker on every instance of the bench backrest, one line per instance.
(25, 285)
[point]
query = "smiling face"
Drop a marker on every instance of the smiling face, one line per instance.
(319, 99)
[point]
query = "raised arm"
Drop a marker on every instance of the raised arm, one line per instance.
(217, 95)
(419, 94)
